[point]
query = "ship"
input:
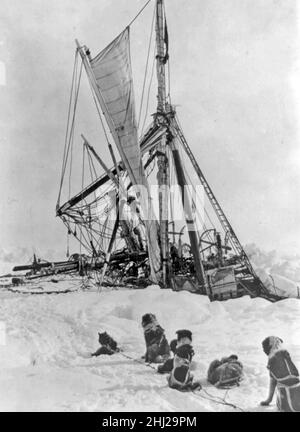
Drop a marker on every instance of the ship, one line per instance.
(148, 215)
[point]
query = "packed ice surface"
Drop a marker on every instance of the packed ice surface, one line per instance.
(44, 352)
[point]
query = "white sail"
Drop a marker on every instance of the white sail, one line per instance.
(113, 75)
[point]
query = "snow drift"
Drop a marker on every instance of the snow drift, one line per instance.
(281, 275)
(45, 363)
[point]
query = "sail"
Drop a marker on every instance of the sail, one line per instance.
(112, 72)
(113, 76)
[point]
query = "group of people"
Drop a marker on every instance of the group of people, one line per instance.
(175, 359)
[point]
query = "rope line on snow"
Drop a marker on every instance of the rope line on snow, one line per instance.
(209, 397)
(136, 360)
(217, 399)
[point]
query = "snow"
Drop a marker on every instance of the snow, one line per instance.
(279, 273)
(45, 363)
(47, 285)
(279, 284)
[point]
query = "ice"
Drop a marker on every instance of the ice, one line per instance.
(46, 363)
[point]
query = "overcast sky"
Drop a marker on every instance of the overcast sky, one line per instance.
(234, 79)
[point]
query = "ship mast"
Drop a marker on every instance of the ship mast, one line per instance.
(162, 159)
(165, 118)
(160, 59)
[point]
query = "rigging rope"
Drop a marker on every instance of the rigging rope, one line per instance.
(71, 140)
(194, 207)
(68, 245)
(71, 131)
(139, 13)
(99, 112)
(232, 243)
(202, 202)
(68, 121)
(148, 97)
(82, 183)
(146, 68)
(168, 67)
(204, 207)
(92, 168)
(87, 207)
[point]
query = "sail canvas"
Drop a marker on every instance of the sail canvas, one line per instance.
(113, 76)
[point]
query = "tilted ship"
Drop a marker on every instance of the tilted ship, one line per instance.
(175, 234)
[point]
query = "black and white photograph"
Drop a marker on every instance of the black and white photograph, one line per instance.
(150, 213)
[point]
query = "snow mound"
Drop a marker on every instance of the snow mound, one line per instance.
(46, 363)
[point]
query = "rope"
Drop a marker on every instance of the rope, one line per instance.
(168, 68)
(211, 398)
(146, 68)
(217, 399)
(199, 198)
(148, 97)
(87, 206)
(68, 121)
(99, 112)
(69, 140)
(93, 177)
(139, 13)
(137, 361)
(82, 183)
(202, 202)
(71, 134)
(233, 246)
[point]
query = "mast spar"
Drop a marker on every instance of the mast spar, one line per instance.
(164, 117)
(162, 159)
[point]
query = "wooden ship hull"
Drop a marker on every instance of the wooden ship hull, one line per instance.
(110, 216)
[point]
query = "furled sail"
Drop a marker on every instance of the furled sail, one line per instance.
(113, 76)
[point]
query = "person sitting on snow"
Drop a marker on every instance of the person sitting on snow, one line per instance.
(283, 375)
(226, 372)
(181, 378)
(108, 345)
(183, 337)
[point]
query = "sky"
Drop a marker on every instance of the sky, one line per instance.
(234, 68)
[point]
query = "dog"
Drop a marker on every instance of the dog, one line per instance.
(225, 373)
(157, 346)
(108, 345)
(181, 377)
(284, 376)
(184, 337)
